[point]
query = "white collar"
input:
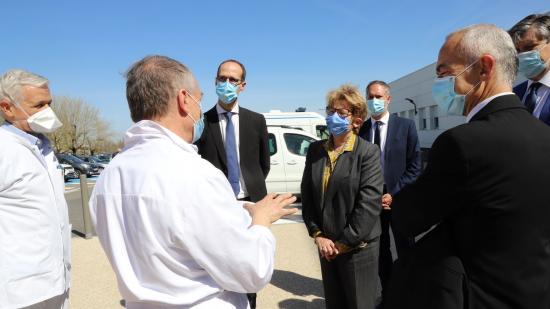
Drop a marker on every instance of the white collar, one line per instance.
(482, 104)
(545, 80)
(149, 129)
(221, 110)
(384, 119)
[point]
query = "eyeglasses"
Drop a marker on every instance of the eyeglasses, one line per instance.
(232, 80)
(342, 112)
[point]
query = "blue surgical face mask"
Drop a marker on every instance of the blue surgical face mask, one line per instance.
(376, 106)
(337, 125)
(530, 63)
(443, 92)
(198, 126)
(227, 92)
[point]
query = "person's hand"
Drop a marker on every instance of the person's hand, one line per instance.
(271, 208)
(386, 201)
(326, 247)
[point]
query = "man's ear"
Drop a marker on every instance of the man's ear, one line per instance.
(488, 67)
(242, 86)
(183, 106)
(6, 108)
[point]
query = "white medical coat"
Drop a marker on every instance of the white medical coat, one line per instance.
(172, 229)
(34, 224)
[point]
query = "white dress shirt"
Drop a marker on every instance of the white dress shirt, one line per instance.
(542, 93)
(383, 128)
(172, 229)
(482, 104)
(34, 221)
(223, 123)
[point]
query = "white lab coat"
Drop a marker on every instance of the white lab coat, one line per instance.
(172, 229)
(34, 225)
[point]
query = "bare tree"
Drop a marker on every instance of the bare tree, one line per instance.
(83, 129)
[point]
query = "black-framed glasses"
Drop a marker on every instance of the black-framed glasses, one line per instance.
(342, 112)
(232, 80)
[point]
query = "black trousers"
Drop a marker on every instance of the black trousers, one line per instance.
(403, 245)
(351, 280)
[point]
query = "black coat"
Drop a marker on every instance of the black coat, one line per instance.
(488, 181)
(253, 149)
(352, 203)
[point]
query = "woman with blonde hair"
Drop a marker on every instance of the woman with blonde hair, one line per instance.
(341, 202)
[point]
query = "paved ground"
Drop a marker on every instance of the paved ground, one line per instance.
(296, 282)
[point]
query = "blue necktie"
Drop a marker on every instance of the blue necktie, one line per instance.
(531, 99)
(233, 170)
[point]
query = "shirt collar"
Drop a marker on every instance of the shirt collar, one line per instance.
(33, 140)
(384, 119)
(545, 80)
(221, 110)
(482, 104)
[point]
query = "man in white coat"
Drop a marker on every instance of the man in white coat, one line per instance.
(34, 222)
(168, 219)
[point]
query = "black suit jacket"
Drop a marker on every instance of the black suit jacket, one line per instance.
(402, 162)
(253, 149)
(545, 112)
(350, 210)
(488, 181)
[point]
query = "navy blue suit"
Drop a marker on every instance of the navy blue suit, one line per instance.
(402, 165)
(520, 90)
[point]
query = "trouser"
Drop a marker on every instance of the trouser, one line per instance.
(351, 280)
(402, 244)
(56, 302)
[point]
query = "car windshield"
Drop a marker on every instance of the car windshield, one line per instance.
(74, 159)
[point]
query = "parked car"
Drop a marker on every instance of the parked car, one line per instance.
(80, 167)
(68, 172)
(94, 162)
(287, 148)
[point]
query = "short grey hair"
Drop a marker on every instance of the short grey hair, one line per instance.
(381, 83)
(12, 81)
(541, 22)
(153, 82)
(481, 39)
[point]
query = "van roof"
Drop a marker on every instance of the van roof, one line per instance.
(277, 114)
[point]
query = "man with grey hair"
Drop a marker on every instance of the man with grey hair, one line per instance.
(484, 190)
(531, 37)
(168, 220)
(34, 223)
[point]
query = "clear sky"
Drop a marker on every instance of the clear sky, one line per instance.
(294, 51)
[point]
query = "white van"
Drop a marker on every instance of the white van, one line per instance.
(308, 121)
(287, 149)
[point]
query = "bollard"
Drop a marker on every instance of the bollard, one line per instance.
(88, 229)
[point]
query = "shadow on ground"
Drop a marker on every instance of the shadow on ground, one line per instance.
(297, 284)
(317, 303)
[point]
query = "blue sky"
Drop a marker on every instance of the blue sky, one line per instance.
(294, 51)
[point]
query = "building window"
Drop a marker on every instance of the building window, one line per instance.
(423, 126)
(436, 123)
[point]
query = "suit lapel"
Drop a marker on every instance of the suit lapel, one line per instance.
(215, 133)
(341, 170)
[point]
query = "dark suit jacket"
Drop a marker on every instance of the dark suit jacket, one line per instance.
(402, 163)
(488, 181)
(545, 112)
(350, 211)
(253, 148)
